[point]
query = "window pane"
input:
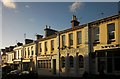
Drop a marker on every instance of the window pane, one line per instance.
(81, 62)
(79, 37)
(45, 46)
(71, 61)
(63, 61)
(63, 40)
(111, 30)
(40, 47)
(52, 44)
(96, 34)
(28, 52)
(70, 39)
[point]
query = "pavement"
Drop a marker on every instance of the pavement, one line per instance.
(30, 76)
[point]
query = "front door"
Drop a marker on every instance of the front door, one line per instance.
(54, 66)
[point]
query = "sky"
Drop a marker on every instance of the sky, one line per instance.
(19, 18)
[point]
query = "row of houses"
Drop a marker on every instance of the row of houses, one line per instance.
(93, 47)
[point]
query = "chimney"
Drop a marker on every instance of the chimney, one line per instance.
(74, 21)
(19, 44)
(27, 41)
(3, 51)
(6, 49)
(11, 48)
(38, 36)
(49, 31)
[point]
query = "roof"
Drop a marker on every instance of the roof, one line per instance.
(49, 37)
(106, 19)
(72, 29)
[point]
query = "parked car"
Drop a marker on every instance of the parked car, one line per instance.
(24, 73)
(14, 72)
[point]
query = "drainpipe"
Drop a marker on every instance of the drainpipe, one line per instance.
(58, 34)
(22, 57)
(90, 46)
(36, 53)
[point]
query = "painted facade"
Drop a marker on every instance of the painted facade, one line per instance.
(29, 57)
(17, 57)
(92, 47)
(106, 47)
(47, 55)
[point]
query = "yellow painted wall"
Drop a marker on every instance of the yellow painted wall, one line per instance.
(103, 35)
(30, 50)
(118, 31)
(16, 49)
(74, 38)
(48, 46)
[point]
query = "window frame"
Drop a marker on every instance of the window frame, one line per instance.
(111, 31)
(63, 40)
(52, 45)
(81, 61)
(79, 38)
(71, 39)
(46, 49)
(71, 63)
(62, 61)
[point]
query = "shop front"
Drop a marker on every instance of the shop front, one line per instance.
(108, 61)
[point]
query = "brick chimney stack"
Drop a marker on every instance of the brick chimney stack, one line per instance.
(27, 41)
(49, 31)
(38, 36)
(74, 21)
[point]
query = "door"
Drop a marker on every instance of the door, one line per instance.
(54, 66)
(109, 65)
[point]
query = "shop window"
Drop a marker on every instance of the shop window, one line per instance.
(81, 61)
(71, 61)
(63, 61)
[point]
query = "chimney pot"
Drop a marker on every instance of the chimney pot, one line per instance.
(38, 36)
(74, 21)
(46, 27)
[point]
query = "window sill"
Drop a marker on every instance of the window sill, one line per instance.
(79, 45)
(70, 46)
(111, 40)
(96, 42)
